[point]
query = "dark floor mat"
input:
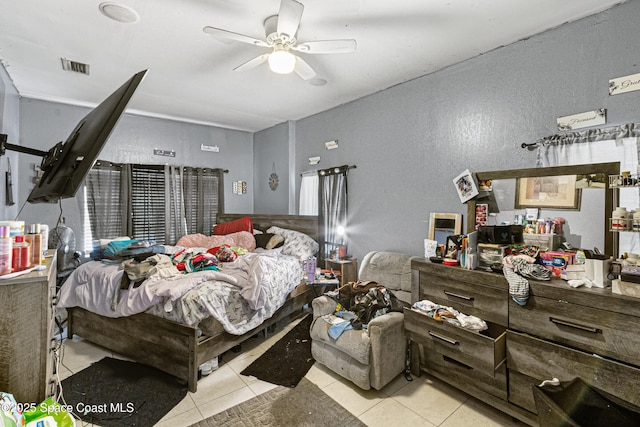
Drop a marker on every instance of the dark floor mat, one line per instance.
(114, 392)
(288, 360)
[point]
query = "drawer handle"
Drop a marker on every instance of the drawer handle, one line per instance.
(451, 294)
(574, 325)
(443, 338)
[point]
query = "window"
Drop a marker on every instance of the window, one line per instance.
(150, 202)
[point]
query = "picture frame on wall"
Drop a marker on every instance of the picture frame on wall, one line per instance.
(548, 192)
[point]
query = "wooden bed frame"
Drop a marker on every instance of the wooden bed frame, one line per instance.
(176, 348)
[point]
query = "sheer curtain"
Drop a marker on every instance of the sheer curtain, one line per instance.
(611, 144)
(309, 193)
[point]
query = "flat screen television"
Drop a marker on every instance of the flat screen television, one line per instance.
(66, 165)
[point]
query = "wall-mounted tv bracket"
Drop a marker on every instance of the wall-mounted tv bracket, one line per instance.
(48, 157)
(4, 145)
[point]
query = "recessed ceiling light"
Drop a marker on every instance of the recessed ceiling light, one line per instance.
(119, 12)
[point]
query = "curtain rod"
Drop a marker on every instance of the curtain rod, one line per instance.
(329, 171)
(616, 132)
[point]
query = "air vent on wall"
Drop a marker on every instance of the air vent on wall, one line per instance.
(78, 67)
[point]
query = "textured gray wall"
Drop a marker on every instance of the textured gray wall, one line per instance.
(271, 147)
(43, 124)
(9, 125)
(410, 141)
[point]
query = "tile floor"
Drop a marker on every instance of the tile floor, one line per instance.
(425, 401)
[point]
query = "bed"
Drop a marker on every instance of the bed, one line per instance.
(174, 346)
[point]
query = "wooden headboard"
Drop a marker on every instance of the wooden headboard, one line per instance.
(307, 224)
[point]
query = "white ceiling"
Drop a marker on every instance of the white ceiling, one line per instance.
(191, 73)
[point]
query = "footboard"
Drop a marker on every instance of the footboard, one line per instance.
(167, 345)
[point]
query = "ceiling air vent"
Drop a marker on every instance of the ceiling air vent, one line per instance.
(78, 67)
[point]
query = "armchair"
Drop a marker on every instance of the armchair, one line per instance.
(374, 356)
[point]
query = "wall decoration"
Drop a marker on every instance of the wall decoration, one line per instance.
(466, 186)
(548, 192)
(239, 187)
(582, 120)
(166, 153)
(482, 213)
(273, 178)
(624, 84)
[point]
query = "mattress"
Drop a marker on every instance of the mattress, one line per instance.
(240, 296)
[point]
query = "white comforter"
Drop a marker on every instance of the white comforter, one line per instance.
(242, 295)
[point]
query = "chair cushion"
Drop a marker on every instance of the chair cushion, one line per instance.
(355, 343)
(390, 269)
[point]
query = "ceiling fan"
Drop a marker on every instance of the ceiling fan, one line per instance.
(281, 32)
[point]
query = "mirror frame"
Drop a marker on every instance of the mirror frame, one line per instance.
(610, 197)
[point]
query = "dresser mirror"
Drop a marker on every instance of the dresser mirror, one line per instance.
(586, 217)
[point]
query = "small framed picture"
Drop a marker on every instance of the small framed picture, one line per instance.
(482, 211)
(466, 186)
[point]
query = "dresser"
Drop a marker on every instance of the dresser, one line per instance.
(26, 334)
(561, 332)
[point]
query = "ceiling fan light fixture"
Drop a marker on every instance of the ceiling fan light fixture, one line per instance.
(282, 61)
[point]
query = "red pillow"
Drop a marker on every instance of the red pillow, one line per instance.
(241, 224)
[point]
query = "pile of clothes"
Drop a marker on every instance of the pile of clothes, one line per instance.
(443, 313)
(359, 303)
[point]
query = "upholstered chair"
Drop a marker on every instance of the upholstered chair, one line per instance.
(374, 356)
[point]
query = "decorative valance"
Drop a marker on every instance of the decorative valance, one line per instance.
(590, 135)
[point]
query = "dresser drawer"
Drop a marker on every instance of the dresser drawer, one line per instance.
(463, 376)
(488, 303)
(587, 328)
(532, 361)
(483, 351)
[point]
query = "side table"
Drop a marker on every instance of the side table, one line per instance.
(319, 285)
(346, 268)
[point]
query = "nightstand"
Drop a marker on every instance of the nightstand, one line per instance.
(346, 268)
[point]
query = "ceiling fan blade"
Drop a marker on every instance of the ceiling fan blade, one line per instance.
(289, 17)
(230, 35)
(252, 63)
(327, 46)
(303, 69)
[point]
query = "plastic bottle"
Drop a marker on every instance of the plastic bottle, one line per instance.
(34, 238)
(44, 232)
(6, 249)
(619, 219)
(21, 254)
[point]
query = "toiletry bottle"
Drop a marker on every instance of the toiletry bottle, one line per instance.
(21, 254)
(34, 238)
(6, 249)
(44, 231)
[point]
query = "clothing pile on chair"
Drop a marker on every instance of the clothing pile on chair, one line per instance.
(359, 303)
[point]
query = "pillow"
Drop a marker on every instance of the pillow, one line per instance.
(242, 239)
(240, 224)
(269, 240)
(296, 244)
